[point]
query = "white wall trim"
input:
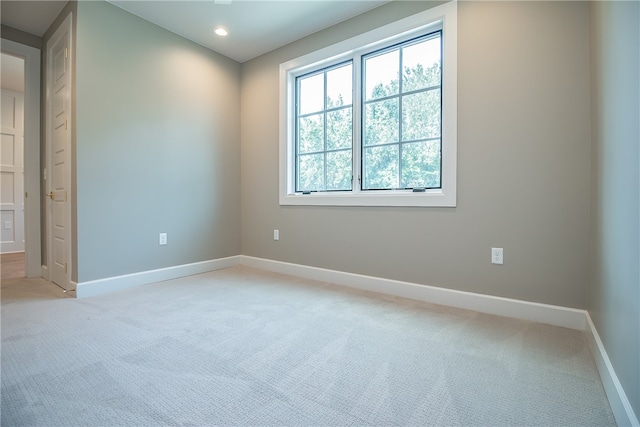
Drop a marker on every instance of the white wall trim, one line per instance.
(112, 284)
(618, 400)
(543, 313)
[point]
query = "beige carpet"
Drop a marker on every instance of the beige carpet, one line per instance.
(244, 347)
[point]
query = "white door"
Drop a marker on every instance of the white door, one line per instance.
(58, 115)
(12, 172)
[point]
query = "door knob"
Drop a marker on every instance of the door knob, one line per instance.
(50, 195)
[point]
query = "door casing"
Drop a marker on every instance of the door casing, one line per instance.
(64, 31)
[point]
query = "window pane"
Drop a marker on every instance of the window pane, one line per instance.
(311, 96)
(381, 75)
(311, 133)
(339, 170)
(421, 115)
(421, 164)
(381, 122)
(421, 65)
(339, 129)
(381, 167)
(311, 172)
(339, 86)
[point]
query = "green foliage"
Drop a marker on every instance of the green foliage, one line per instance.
(339, 125)
(339, 170)
(388, 162)
(421, 164)
(381, 122)
(381, 167)
(311, 133)
(404, 164)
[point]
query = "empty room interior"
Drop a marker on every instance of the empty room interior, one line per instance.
(338, 213)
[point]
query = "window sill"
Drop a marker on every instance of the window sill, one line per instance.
(429, 198)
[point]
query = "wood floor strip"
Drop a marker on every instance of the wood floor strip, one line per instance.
(12, 265)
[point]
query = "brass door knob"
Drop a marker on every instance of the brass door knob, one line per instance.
(50, 195)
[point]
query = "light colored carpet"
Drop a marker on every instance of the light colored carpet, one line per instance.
(245, 347)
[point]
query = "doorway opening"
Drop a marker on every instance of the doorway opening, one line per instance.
(12, 223)
(20, 174)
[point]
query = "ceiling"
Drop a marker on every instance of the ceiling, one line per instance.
(255, 26)
(34, 17)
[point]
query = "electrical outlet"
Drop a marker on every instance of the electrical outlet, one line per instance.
(162, 239)
(276, 234)
(497, 256)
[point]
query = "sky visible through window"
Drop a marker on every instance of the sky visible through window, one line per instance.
(382, 69)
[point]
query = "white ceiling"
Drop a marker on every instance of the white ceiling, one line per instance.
(255, 26)
(34, 17)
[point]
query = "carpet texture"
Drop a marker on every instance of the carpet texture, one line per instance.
(245, 347)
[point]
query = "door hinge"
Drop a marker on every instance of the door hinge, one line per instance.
(66, 52)
(66, 125)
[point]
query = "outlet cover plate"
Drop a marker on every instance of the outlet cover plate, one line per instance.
(497, 256)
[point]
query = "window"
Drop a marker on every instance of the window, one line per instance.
(324, 130)
(372, 121)
(401, 116)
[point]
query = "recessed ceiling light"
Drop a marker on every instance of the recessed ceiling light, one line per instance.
(221, 31)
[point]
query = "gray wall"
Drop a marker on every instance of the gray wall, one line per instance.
(523, 164)
(157, 147)
(614, 291)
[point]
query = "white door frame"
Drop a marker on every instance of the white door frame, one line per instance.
(32, 217)
(65, 29)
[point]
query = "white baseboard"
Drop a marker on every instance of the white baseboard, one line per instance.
(44, 272)
(618, 400)
(536, 312)
(111, 284)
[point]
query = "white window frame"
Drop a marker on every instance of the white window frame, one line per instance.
(444, 17)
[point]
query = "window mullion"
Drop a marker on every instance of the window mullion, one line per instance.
(296, 155)
(400, 130)
(325, 132)
(357, 142)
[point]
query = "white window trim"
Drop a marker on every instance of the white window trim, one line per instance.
(445, 14)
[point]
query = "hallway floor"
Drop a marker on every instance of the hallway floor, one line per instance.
(12, 266)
